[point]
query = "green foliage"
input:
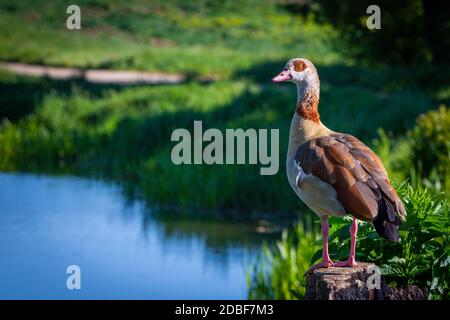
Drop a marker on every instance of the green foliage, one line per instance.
(431, 144)
(277, 273)
(421, 257)
(412, 31)
(422, 155)
(395, 153)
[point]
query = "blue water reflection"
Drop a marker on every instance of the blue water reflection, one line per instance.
(124, 249)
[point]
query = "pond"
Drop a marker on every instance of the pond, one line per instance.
(124, 248)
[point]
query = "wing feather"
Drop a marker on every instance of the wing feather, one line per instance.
(354, 171)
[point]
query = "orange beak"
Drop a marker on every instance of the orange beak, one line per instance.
(283, 76)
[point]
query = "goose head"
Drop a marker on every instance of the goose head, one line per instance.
(303, 73)
(299, 71)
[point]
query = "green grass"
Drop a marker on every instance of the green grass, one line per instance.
(172, 36)
(277, 273)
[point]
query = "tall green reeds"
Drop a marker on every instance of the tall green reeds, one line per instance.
(277, 273)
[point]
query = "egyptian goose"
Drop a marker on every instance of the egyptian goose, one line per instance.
(334, 173)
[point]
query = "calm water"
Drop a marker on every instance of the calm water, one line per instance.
(124, 249)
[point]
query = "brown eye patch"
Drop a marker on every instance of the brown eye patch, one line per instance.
(299, 65)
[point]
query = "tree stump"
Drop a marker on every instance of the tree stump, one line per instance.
(358, 283)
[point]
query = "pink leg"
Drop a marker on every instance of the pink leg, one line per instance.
(351, 262)
(326, 261)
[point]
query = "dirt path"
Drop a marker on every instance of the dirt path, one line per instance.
(100, 76)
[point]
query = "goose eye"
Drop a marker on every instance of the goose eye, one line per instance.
(299, 65)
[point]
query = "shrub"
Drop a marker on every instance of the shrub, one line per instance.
(431, 144)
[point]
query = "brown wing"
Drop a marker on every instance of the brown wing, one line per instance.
(355, 172)
(375, 168)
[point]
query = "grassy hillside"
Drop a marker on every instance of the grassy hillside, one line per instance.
(201, 37)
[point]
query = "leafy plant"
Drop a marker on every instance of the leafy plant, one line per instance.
(421, 257)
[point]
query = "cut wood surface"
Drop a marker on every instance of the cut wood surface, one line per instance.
(352, 284)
